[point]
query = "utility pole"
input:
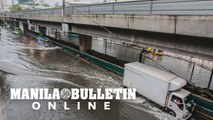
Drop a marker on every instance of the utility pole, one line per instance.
(210, 80)
(0, 33)
(105, 41)
(63, 8)
(2, 5)
(13, 2)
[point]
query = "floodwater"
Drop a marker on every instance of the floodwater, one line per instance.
(25, 64)
(182, 68)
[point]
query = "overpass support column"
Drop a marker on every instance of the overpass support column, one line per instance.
(25, 27)
(42, 31)
(21, 26)
(85, 43)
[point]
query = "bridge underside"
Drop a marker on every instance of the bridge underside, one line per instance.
(184, 44)
(189, 45)
(56, 25)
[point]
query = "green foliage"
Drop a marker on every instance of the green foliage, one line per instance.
(16, 8)
(57, 5)
(1, 22)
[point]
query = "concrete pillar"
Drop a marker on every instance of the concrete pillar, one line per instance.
(25, 27)
(85, 43)
(42, 31)
(21, 27)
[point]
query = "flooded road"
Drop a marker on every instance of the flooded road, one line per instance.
(25, 64)
(180, 67)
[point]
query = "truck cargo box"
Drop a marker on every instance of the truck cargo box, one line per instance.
(150, 82)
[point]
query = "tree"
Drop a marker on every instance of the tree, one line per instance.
(16, 8)
(57, 5)
(1, 22)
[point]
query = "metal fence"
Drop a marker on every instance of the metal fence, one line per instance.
(140, 7)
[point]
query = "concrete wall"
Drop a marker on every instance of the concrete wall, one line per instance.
(85, 43)
(196, 46)
(183, 34)
(201, 26)
(21, 26)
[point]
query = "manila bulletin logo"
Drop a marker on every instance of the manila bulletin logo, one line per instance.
(38, 94)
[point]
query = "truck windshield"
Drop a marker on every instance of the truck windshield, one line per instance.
(189, 102)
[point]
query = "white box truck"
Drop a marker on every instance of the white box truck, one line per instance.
(163, 88)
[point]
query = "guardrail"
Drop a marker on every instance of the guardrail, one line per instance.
(142, 7)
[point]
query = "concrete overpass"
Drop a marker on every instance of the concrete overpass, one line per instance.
(183, 26)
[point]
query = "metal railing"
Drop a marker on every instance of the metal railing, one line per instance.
(140, 7)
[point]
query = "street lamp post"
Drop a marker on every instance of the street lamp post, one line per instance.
(63, 11)
(63, 8)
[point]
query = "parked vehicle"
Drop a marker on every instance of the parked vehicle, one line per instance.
(163, 88)
(148, 50)
(44, 41)
(157, 52)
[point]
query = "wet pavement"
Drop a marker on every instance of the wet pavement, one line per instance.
(182, 68)
(25, 64)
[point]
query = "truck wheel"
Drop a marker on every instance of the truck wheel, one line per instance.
(172, 113)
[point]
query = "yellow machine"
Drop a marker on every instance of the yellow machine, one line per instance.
(148, 50)
(158, 52)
